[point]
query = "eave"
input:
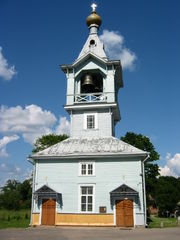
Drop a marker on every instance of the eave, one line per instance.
(87, 56)
(90, 156)
(84, 106)
(91, 105)
(64, 67)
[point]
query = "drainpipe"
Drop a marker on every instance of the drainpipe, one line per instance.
(33, 186)
(144, 189)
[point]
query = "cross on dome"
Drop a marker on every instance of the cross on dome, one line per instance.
(94, 6)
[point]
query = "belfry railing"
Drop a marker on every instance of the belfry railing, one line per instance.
(90, 97)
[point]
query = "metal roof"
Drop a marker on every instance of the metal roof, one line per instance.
(77, 147)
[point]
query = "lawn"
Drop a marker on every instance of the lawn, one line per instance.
(14, 219)
(156, 222)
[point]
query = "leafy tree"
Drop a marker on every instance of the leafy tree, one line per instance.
(25, 190)
(151, 169)
(10, 195)
(167, 194)
(16, 195)
(47, 140)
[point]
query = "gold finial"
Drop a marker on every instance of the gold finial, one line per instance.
(94, 18)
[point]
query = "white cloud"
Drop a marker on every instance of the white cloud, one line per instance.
(116, 49)
(9, 170)
(3, 143)
(63, 127)
(31, 121)
(6, 72)
(172, 167)
(165, 171)
(111, 38)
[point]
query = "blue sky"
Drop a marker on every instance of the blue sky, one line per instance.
(37, 36)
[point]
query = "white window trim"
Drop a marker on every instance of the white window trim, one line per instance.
(79, 197)
(86, 175)
(95, 114)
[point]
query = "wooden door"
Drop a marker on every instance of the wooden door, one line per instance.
(48, 212)
(120, 213)
(128, 213)
(124, 213)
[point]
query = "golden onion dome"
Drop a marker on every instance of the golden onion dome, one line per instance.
(94, 18)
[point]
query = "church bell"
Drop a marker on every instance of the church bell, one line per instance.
(88, 85)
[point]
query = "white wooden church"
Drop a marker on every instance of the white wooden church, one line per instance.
(91, 178)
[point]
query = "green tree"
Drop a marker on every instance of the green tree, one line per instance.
(10, 195)
(47, 140)
(167, 194)
(16, 195)
(151, 168)
(25, 190)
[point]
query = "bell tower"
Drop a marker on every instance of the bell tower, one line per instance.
(93, 82)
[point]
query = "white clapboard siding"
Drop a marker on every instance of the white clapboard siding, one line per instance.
(63, 176)
(104, 124)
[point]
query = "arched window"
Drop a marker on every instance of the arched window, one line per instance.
(92, 42)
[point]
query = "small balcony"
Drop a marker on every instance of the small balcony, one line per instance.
(90, 97)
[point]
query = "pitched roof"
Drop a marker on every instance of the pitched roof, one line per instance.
(45, 190)
(88, 55)
(84, 147)
(97, 48)
(123, 190)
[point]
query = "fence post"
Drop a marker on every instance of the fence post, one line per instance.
(179, 221)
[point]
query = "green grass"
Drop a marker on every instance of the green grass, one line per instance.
(157, 222)
(14, 219)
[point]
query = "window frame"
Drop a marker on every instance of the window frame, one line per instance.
(93, 198)
(90, 122)
(95, 120)
(86, 163)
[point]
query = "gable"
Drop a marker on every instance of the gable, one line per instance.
(123, 190)
(97, 48)
(88, 63)
(45, 191)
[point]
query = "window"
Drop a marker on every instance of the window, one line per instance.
(83, 169)
(90, 121)
(87, 169)
(92, 42)
(86, 195)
